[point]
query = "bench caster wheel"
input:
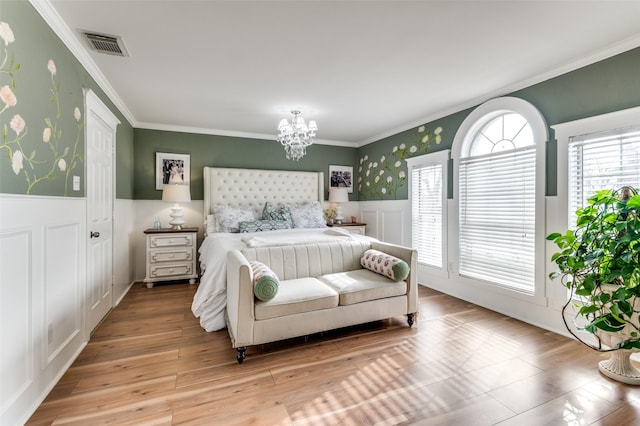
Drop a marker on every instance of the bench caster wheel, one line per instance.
(240, 356)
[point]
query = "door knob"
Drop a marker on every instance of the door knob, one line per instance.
(94, 234)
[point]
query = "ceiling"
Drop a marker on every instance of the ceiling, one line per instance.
(362, 69)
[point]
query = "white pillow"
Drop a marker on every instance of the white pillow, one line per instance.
(211, 224)
(307, 215)
(228, 218)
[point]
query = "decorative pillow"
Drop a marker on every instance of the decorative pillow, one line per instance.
(281, 213)
(228, 218)
(265, 281)
(263, 225)
(307, 215)
(384, 264)
(211, 224)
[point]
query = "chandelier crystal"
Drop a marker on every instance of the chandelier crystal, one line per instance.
(296, 136)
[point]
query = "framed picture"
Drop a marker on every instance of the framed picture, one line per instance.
(341, 177)
(172, 168)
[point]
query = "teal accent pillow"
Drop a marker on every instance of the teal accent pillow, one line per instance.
(265, 281)
(263, 225)
(269, 212)
(385, 264)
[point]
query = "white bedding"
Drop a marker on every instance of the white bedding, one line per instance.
(210, 299)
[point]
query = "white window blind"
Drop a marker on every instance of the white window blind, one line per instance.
(497, 217)
(427, 197)
(603, 160)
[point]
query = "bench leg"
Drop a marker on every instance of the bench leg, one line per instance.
(240, 356)
(411, 318)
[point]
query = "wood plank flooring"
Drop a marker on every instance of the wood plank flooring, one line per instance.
(150, 363)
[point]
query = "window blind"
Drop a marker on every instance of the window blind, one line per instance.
(604, 160)
(426, 215)
(497, 218)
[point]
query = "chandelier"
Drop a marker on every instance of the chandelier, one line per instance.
(296, 136)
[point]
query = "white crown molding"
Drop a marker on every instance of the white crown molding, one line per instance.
(231, 133)
(607, 52)
(53, 19)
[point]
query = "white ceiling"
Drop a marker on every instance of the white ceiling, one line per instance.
(362, 69)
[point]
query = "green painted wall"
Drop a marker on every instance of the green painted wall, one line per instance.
(49, 99)
(609, 85)
(42, 108)
(225, 151)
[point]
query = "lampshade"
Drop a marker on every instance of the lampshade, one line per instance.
(338, 195)
(176, 193)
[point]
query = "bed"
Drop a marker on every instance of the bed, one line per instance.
(244, 190)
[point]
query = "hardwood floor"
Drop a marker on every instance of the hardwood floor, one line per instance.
(150, 363)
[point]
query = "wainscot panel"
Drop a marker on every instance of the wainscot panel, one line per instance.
(42, 280)
(389, 221)
(123, 243)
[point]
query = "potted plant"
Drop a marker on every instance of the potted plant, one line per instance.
(599, 262)
(330, 214)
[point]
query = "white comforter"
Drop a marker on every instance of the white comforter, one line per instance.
(210, 299)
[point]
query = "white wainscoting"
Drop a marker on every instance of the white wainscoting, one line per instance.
(386, 220)
(42, 283)
(123, 247)
(541, 310)
(389, 221)
(556, 292)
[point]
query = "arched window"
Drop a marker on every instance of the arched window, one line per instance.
(499, 155)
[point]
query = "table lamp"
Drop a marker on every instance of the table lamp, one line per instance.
(338, 196)
(176, 194)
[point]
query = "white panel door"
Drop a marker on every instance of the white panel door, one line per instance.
(100, 139)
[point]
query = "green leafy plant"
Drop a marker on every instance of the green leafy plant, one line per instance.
(599, 262)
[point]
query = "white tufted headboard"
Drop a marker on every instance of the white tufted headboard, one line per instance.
(242, 187)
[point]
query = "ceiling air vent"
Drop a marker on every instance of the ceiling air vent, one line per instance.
(103, 43)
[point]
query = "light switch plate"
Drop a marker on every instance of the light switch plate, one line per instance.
(76, 183)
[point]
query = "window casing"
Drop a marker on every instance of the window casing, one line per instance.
(602, 160)
(499, 171)
(611, 135)
(428, 196)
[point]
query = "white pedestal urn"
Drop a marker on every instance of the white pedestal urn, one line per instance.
(619, 366)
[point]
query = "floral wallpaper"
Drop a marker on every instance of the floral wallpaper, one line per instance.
(380, 179)
(38, 150)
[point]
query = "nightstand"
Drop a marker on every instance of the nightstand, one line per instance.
(354, 228)
(171, 255)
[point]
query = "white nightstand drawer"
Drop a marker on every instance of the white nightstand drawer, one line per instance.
(171, 240)
(170, 256)
(352, 228)
(170, 270)
(355, 229)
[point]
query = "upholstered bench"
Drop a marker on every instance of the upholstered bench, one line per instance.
(316, 287)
